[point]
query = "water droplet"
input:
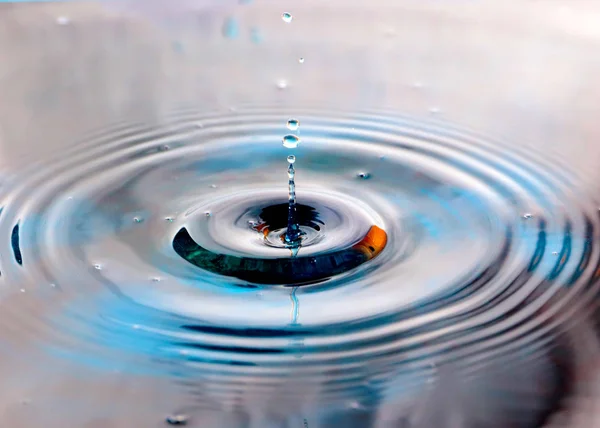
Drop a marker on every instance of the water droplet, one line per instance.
(282, 84)
(177, 420)
(231, 28)
(434, 110)
(291, 158)
(293, 124)
(301, 60)
(53, 285)
(291, 141)
(382, 157)
(164, 148)
(137, 219)
(169, 219)
(198, 125)
(63, 20)
(363, 175)
(98, 266)
(256, 36)
(527, 215)
(207, 214)
(287, 17)
(69, 198)
(156, 279)
(22, 290)
(213, 186)
(555, 253)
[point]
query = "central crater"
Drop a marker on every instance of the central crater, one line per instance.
(243, 238)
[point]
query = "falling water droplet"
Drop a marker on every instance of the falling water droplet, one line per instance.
(282, 84)
(291, 158)
(207, 214)
(98, 266)
(63, 20)
(293, 124)
(156, 279)
(137, 219)
(169, 219)
(287, 17)
(291, 141)
(301, 60)
(177, 420)
(527, 215)
(555, 253)
(363, 175)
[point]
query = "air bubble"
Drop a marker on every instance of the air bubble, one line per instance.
(555, 253)
(363, 175)
(156, 279)
(169, 219)
(282, 84)
(291, 141)
(527, 215)
(293, 124)
(291, 158)
(301, 60)
(287, 17)
(137, 220)
(207, 214)
(177, 420)
(98, 266)
(213, 186)
(22, 290)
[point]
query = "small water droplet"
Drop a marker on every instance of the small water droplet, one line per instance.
(527, 215)
(282, 84)
(164, 148)
(293, 124)
(213, 186)
(287, 17)
(177, 419)
(291, 158)
(169, 219)
(555, 253)
(301, 60)
(363, 175)
(207, 214)
(98, 266)
(53, 285)
(22, 290)
(137, 219)
(231, 28)
(156, 279)
(63, 20)
(291, 141)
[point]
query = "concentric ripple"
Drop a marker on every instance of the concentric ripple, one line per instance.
(488, 253)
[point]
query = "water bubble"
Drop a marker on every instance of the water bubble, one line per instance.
(293, 124)
(177, 420)
(22, 290)
(207, 214)
(98, 266)
(137, 219)
(291, 141)
(169, 219)
(287, 17)
(301, 60)
(213, 186)
(63, 20)
(282, 84)
(53, 285)
(164, 148)
(555, 253)
(527, 215)
(156, 279)
(291, 158)
(363, 175)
